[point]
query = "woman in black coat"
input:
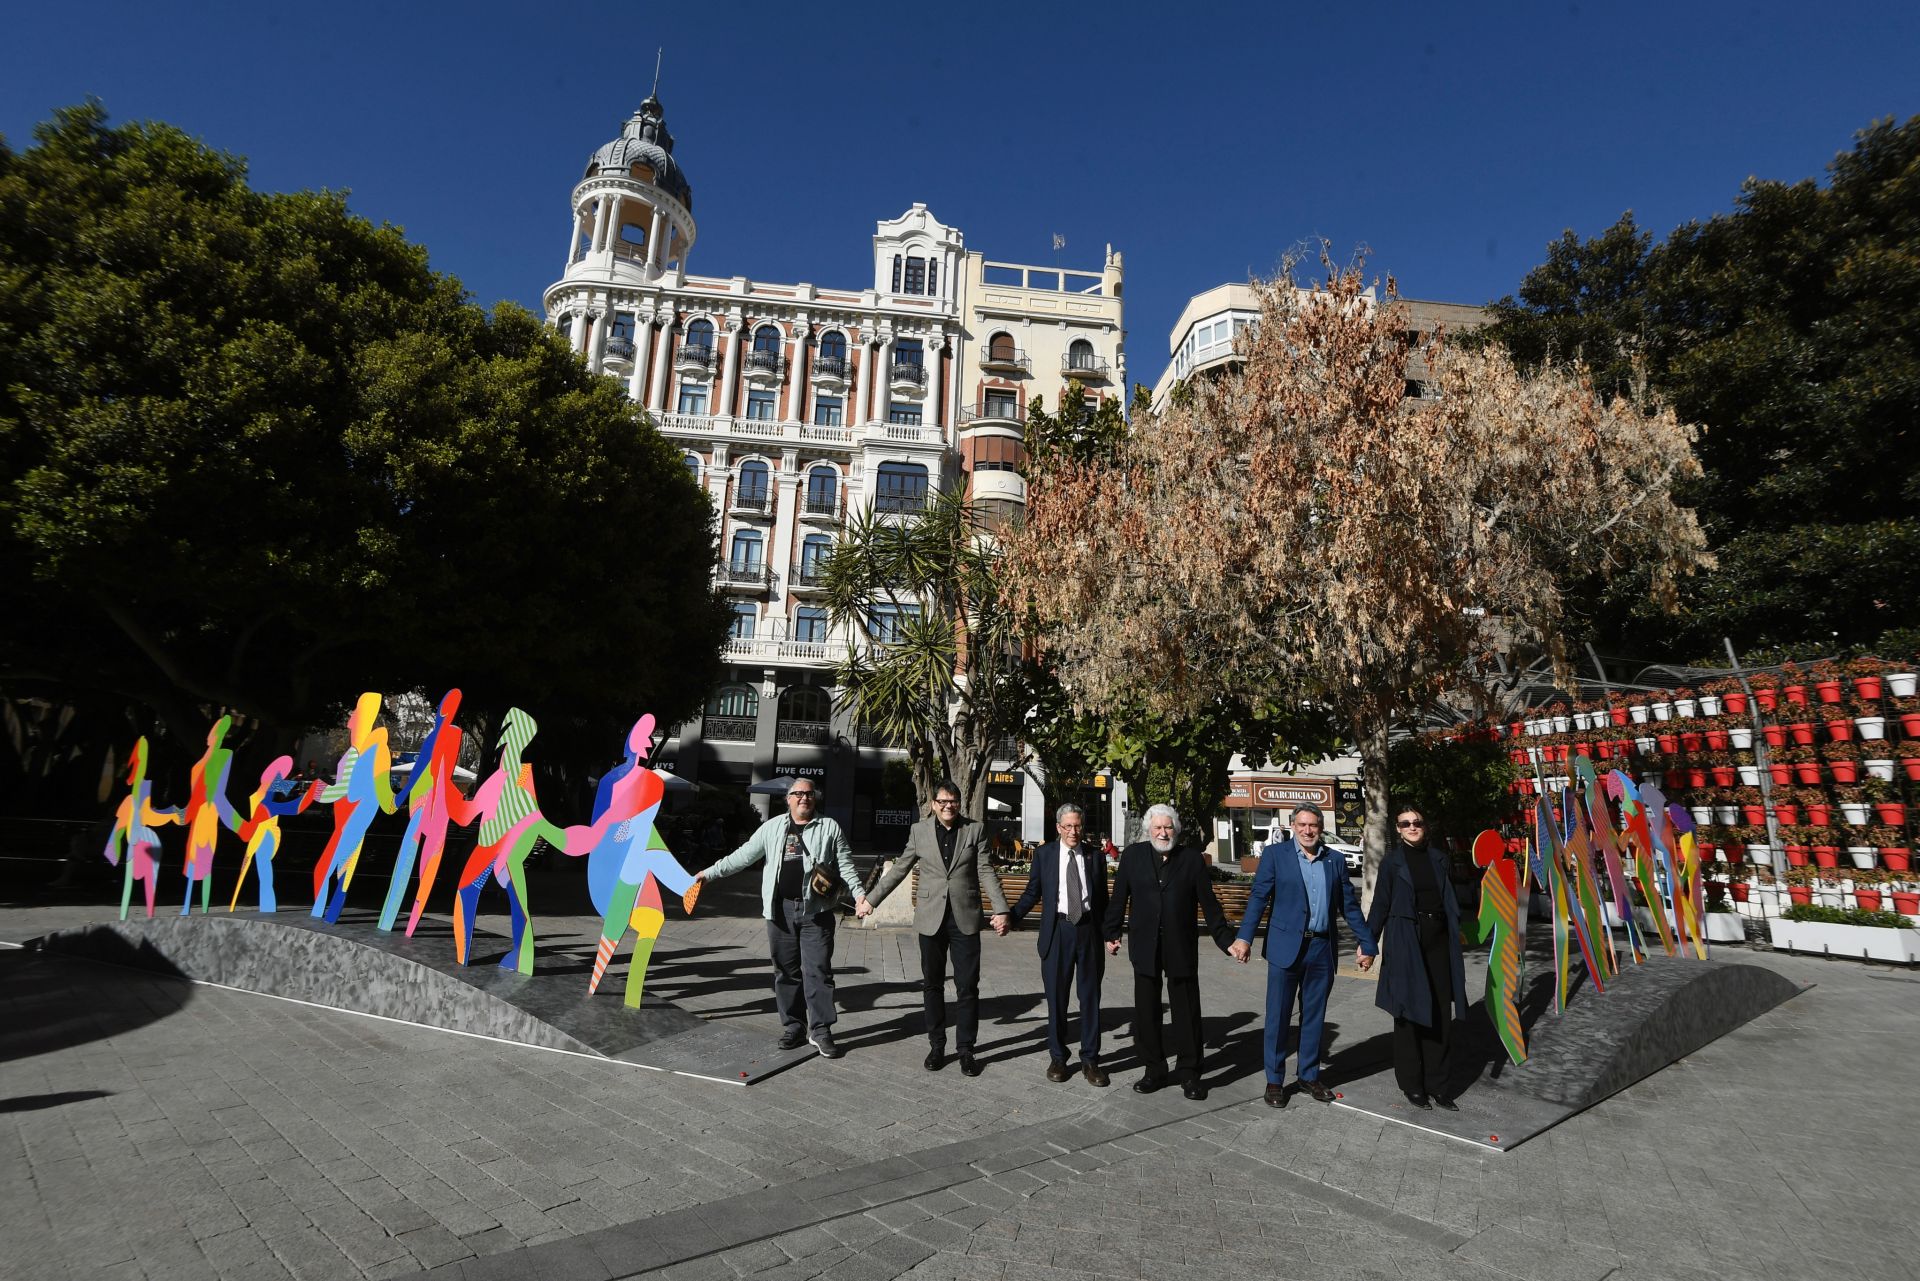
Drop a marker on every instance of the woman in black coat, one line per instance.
(1416, 920)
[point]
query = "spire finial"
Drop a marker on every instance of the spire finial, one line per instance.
(658, 54)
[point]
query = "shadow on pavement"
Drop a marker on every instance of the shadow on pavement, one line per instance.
(34, 1102)
(50, 1004)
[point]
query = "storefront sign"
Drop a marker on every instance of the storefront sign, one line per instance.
(893, 818)
(1270, 793)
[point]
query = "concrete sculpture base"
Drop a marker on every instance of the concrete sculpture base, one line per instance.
(1650, 1016)
(355, 966)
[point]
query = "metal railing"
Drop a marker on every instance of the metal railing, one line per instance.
(1012, 362)
(995, 412)
(1083, 367)
(802, 731)
(909, 371)
(900, 504)
(830, 367)
(752, 574)
(821, 508)
(693, 358)
(757, 501)
(771, 363)
(730, 729)
(622, 348)
(808, 575)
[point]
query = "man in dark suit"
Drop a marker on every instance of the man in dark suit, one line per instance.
(951, 851)
(1306, 884)
(1069, 881)
(1165, 883)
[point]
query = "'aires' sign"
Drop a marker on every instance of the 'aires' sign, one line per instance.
(1270, 793)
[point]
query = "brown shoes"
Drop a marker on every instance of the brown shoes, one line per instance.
(1095, 1074)
(1317, 1091)
(1276, 1096)
(1057, 1071)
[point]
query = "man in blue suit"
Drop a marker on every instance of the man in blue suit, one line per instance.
(1069, 882)
(1305, 884)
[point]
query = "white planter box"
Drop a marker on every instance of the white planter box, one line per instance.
(1709, 704)
(1864, 857)
(1683, 709)
(1646, 746)
(1900, 946)
(1663, 711)
(1871, 726)
(1902, 683)
(1702, 814)
(1854, 812)
(1882, 770)
(1563, 724)
(1749, 775)
(1726, 815)
(1637, 713)
(1741, 739)
(1761, 854)
(1725, 927)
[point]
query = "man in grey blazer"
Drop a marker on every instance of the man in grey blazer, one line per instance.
(951, 852)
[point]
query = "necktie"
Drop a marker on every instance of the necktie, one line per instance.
(1076, 897)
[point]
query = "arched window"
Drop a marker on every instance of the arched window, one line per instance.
(744, 557)
(1001, 348)
(767, 339)
(734, 700)
(813, 555)
(700, 334)
(806, 703)
(1080, 354)
(900, 487)
(823, 490)
(753, 482)
(693, 465)
(833, 345)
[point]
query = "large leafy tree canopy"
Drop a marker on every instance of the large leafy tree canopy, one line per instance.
(254, 454)
(1298, 530)
(1790, 329)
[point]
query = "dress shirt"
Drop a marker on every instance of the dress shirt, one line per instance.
(1070, 874)
(1315, 882)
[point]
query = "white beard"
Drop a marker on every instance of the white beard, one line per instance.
(1159, 846)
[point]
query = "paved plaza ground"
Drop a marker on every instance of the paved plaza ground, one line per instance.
(155, 1128)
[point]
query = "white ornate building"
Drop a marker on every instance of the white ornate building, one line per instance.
(795, 404)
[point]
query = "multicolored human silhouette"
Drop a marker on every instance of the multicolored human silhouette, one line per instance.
(511, 824)
(133, 832)
(362, 788)
(432, 800)
(261, 831)
(627, 862)
(1500, 926)
(207, 811)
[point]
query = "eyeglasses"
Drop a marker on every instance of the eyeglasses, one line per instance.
(946, 800)
(801, 796)
(1411, 822)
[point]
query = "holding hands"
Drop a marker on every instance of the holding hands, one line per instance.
(1363, 959)
(862, 908)
(1113, 948)
(999, 922)
(1240, 950)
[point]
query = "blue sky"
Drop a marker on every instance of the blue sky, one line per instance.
(1200, 139)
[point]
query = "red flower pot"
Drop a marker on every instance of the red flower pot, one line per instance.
(1867, 900)
(1516, 729)
(1735, 702)
(1796, 695)
(1800, 893)
(1911, 764)
(1717, 740)
(1898, 858)
(1768, 699)
(1618, 715)
(1829, 691)
(1867, 686)
(1692, 741)
(1907, 901)
(1776, 735)
(1806, 772)
(1583, 749)
(1669, 743)
(1910, 724)
(1819, 815)
(1740, 891)
(1844, 771)
(1802, 732)
(1518, 756)
(1823, 856)
(1781, 774)
(1842, 730)
(1723, 775)
(1753, 815)
(1605, 749)
(1892, 813)
(1696, 778)
(1787, 812)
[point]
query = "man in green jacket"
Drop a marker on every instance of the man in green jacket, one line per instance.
(800, 922)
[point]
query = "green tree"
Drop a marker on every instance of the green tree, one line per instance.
(254, 454)
(1458, 781)
(1790, 329)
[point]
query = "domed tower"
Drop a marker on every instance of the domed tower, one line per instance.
(633, 210)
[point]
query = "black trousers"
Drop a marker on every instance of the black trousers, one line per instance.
(802, 950)
(1183, 994)
(935, 948)
(1076, 951)
(1422, 1055)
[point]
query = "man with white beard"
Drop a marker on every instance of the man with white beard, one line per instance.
(1165, 883)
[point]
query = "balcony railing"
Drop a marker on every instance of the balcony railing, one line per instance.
(630, 251)
(900, 504)
(830, 367)
(803, 731)
(821, 508)
(912, 373)
(766, 364)
(753, 575)
(994, 412)
(763, 647)
(620, 348)
(1083, 367)
(694, 358)
(729, 729)
(1007, 362)
(812, 574)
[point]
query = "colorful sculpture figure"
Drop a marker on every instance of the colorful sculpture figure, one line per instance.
(261, 831)
(133, 824)
(431, 795)
(1642, 845)
(1574, 902)
(1689, 893)
(628, 863)
(1500, 922)
(362, 787)
(206, 810)
(511, 826)
(1599, 820)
